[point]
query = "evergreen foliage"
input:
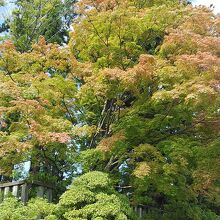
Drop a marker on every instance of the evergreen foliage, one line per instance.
(32, 19)
(91, 196)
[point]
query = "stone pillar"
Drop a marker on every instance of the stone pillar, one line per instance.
(6, 191)
(15, 190)
(24, 193)
(140, 212)
(40, 191)
(1, 194)
(136, 209)
(49, 194)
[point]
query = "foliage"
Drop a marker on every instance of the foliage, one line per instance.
(135, 95)
(11, 209)
(32, 19)
(91, 196)
(166, 106)
(35, 109)
(116, 33)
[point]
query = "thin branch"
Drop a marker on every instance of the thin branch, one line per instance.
(64, 103)
(96, 31)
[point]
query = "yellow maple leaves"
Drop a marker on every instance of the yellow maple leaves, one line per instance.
(142, 170)
(107, 144)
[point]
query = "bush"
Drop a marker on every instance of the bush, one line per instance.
(91, 196)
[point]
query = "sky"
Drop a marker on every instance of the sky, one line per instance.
(5, 11)
(216, 4)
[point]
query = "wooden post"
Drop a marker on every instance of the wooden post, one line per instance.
(40, 191)
(24, 193)
(15, 190)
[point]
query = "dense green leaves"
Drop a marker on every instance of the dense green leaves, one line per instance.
(11, 209)
(91, 196)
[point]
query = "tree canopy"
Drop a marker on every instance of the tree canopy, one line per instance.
(135, 94)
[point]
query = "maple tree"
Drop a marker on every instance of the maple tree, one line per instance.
(35, 116)
(157, 115)
(115, 33)
(135, 95)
